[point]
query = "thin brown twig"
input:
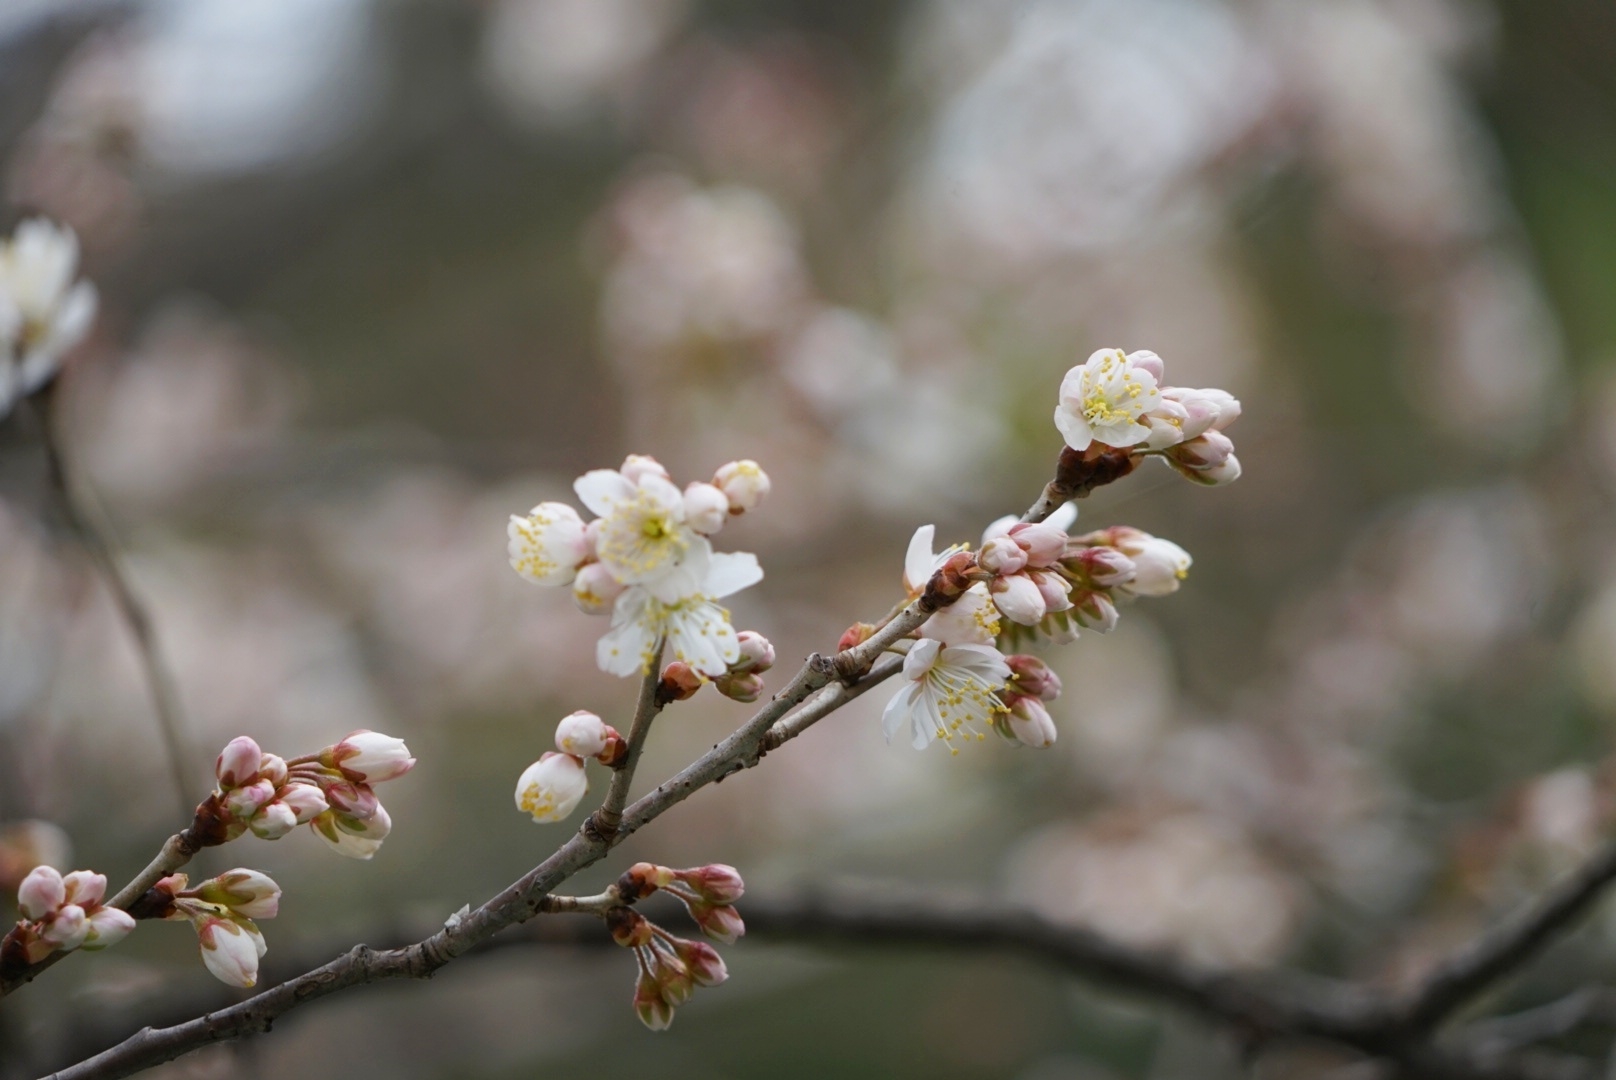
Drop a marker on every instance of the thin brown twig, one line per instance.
(95, 534)
(606, 820)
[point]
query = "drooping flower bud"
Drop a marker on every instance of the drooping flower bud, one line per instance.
(1096, 611)
(1101, 567)
(721, 922)
(369, 757)
(757, 654)
(274, 821)
(706, 508)
(653, 1012)
(1018, 599)
(1226, 472)
(743, 483)
(1033, 677)
(717, 883)
(745, 687)
(581, 734)
(706, 967)
(1001, 555)
(304, 800)
(238, 763)
(551, 787)
(548, 545)
(1043, 543)
(680, 682)
(673, 979)
(1206, 451)
(1053, 588)
(1030, 722)
(595, 589)
(231, 947)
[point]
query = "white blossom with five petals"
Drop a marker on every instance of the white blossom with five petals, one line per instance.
(697, 629)
(950, 689)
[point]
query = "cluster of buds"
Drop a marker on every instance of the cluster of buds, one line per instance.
(1119, 401)
(670, 967)
(741, 681)
(551, 787)
(1098, 569)
(43, 311)
(222, 910)
(61, 913)
(332, 792)
(646, 560)
(1030, 687)
(1023, 559)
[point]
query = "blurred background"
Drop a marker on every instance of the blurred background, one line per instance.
(377, 273)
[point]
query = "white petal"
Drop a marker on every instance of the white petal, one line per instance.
(729, 572)
(1063, 518)
(922, 655)
(917, 561)
(684, 578)
(1073, 428)
(983, 660)
(601, 489)
(699, 633)
(627, 646)
(926, 721)
(897, 710)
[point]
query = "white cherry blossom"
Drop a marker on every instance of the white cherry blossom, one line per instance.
(697, 629)
(1105, 399)
(949, 689)
(643, 537)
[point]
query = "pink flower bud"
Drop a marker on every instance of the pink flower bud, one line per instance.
(636, 467)
(304, 800)
(744, 687)
(855, 635)
(108, 926)
(273, 769)
(348, 836)
(238, 763)
(84, 888)
(1149, 361)
(706, 967)
(595, 590)
(68, 928)
(1033, 677)
(581, 734)
(1053, 588)
(231, 948)
(743, 484)
(1043, 543)
(1096, 611)
(244, 802)
(718, 883)
(706, 508)
(1030, 722)
(680, 682)
(653, 1012)
(721, 922)
(41, 893)
(757, 654)
(1002, 555)
(1019, 599)
(1102, 567)
(352, 800)
(245, 892)
(369, 757)
(1227, 472)
(1203, 452)
(551, 787)
(274, 821)
(674, 980)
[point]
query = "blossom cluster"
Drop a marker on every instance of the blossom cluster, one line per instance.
(62, 912)
(222, 910)
(551, 787)
(1118, 401)
(670, 967)
(646, 558)
(43, 311)
(333, 791)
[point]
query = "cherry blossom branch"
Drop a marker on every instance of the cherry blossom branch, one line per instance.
(605, 821)
(95, 535)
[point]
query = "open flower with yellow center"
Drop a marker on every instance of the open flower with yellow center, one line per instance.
(43, 312)
(951, 690)
(1104, 399)
(697, 629)
(643, 538)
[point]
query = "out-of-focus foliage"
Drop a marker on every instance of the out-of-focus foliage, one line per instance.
(377, 273)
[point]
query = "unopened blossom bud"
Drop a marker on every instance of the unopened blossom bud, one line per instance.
(274, 821)
(356, 838)
(1203, 452)
(721, 922)
(1102, 567)
(1053, 588)
(1001, 555)
(551, 787)
(743, 484)
(41, 893)
(1018, 599)
(706, 967)
(642, 879)
(1227, 472)
(84, 888)
(304, 800)
(245, 892)
(238, 763)
(1096, 611)
(636, 467)
(680, 682)
(718, 883)
(1059, 627)
(353, 800)
(369, 757)
(1160, 565)
(855, 635)
(674, 980)
(68, 927)
(757, 653)
(1148, 361)
(706, 508)
(1043, 543)
(1030, 722)
(244, 802)
(231, 948)
(581, 734)
(595, 589)
(628, 927)
(108, 926)
(1033, 677)
(547, 546)
(273, 768)
(1206, 410)
(616, 748)
(653, 1012)
(745, 687)
(1166, 423)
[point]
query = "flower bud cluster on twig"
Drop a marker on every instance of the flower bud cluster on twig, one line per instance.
(61, 913)
(670, 967)
(222, 910)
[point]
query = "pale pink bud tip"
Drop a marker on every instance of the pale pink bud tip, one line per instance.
(582, 734)
(1033, 677)
(718, 883)
(637, 467)
(1031, 723)
(757, 653)
(706, 508)
(745, 687)
(41, 893)
(238, 763)
(370, 757)
(743, 483)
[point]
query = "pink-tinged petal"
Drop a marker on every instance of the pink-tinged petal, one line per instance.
(84, 888)
(108, 926)
(41, 893)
